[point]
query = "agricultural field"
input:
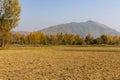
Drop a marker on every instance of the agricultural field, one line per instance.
(60, 63)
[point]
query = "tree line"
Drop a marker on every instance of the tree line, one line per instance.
(39, 38)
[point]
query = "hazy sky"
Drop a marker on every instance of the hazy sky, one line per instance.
(38, 14)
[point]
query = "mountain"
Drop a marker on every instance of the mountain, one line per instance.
(21, 32)
(82, 29)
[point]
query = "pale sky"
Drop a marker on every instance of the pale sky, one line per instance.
(39, 14)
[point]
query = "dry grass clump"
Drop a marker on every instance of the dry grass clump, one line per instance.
(60, 63)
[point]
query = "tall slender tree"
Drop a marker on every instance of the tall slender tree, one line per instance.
(89, 39)
(9, 17)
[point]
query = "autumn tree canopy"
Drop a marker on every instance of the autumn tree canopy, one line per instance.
(9, 17)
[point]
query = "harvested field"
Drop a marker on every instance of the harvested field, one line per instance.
(60, 63)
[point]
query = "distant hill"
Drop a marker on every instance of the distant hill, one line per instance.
(82, 29)
(21, 32)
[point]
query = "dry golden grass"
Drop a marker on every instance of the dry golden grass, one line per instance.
(60, 63)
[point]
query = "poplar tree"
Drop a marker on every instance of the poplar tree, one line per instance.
(89, 39)
(9, 17)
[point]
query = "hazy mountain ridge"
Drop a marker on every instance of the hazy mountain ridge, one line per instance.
(21, 32)
(82, 29)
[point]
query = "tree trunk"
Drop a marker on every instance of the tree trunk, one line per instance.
(0, 42)
(3, 42)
